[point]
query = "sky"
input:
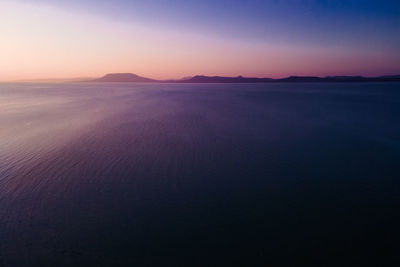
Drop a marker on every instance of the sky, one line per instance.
(166, 39)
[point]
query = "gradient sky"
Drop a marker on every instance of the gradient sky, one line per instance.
(176, 38)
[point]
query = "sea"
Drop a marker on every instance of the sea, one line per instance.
(148, 174)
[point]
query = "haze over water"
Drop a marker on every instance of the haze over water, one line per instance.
(198, 174)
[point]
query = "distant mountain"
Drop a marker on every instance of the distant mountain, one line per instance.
(328, 79)
(291, 79)
(390, 77)
(129, 77)
(122, 77)
(219, 79)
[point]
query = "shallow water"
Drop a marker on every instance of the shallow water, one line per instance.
(199, 174)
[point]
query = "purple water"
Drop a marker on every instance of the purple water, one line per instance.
(199, 174)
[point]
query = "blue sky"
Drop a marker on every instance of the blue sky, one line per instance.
(309, 20)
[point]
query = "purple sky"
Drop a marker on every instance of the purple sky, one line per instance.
(171, 39)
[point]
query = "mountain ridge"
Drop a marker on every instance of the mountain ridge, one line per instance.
(122, 77)
(130, 77)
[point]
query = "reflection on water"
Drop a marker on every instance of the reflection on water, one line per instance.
(202, 174)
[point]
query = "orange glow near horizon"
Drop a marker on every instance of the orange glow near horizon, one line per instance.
(42, 42)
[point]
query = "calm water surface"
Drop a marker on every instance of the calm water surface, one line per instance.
(199, 175)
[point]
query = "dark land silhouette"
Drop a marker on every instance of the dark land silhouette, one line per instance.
(130, 77)
(122, 77)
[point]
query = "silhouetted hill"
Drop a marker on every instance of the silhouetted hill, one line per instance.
(219, 79)
(291, 79)
(122, 77)
(391, 77)
(129, 77)
(298, 79)
(327, 79)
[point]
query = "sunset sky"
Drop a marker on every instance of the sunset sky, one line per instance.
(177, 38)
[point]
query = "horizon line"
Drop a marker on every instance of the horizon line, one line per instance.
(88, 78)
